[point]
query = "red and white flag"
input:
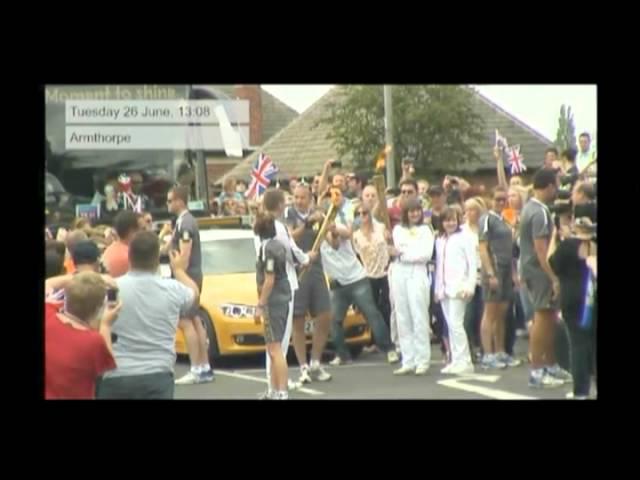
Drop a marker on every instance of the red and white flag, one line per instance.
(517, 160)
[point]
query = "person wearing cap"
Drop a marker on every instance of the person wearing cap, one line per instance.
(568, 256)
(86, 257)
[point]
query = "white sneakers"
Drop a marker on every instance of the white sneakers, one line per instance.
(403, 371)
(422, 370)
(392, 356)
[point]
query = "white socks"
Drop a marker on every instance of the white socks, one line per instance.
(198, 369)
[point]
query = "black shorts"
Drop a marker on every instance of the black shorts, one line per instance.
(540, 290)
(504, 292)
(312, 296)
(275, 321)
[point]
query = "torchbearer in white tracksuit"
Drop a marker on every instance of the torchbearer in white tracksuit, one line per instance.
(456, 272)
(274, 203)
(413, 248)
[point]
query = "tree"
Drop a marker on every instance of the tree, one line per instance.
(566, 134)
(435, 125)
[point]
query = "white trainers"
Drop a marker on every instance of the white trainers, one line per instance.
(336, 362)
(319, 374)
(561, 374)
(293, 385)
(571, 396)
(460, 370)
(422, 370)
(189, 379)
(304, 376)
(403, 371)
(446, 369)
(392, 356)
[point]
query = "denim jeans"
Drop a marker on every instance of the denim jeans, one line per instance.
(380, 288)
(359, 294)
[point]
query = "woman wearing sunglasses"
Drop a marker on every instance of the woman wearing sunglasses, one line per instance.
(370, 242)
(496, 254)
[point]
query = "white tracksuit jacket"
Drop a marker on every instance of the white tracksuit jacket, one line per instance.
(410, 289)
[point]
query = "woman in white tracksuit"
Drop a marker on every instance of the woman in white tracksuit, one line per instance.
(413, 247)
(455, 284)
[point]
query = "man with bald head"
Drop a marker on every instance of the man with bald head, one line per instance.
(312, 296)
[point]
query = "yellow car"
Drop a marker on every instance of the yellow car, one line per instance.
(229, 294)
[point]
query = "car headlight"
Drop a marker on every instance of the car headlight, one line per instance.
(238, 311)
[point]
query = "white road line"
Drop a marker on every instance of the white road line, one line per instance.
(308, 391)
(382, 363)
(480, 390)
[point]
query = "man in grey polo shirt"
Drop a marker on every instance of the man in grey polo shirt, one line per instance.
(349, 286)
(145, 352)
(191, 324)
(543, 287)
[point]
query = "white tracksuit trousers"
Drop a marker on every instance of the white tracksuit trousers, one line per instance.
(410, 286)
(453, 309)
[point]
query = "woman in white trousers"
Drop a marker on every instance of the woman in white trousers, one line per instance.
(455, 285)
(413, 247)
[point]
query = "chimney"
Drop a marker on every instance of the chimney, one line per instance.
(253, 93)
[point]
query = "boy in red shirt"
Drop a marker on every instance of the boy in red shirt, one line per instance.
(78, 339)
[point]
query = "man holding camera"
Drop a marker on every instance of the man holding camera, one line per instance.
(145, 352)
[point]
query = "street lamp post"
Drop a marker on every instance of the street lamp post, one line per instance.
(388, 135)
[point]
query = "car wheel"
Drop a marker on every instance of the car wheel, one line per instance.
(214, 351)
(356, 351)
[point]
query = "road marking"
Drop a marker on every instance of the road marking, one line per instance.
(308, 391)
(480, 390)
(381, 363)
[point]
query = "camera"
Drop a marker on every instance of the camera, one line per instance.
(112, 295)
(336, 164)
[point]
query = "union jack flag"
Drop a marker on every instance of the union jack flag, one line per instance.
(261, 175)
(516, 159)
(56, 298)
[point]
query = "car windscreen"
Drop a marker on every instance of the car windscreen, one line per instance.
(228, 256)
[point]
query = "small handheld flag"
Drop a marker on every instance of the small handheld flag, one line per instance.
(516, 160)
(261, 175)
